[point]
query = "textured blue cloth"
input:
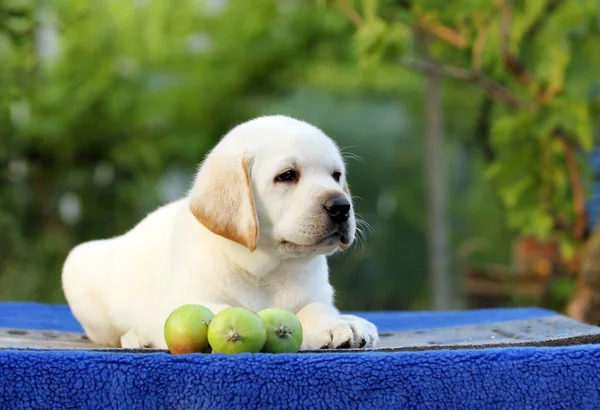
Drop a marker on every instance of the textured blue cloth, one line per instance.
(520, 378)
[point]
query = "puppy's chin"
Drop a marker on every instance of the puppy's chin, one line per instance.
(323, 246)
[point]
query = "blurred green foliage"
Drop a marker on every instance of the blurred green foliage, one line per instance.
(107, 107)
(535, 58)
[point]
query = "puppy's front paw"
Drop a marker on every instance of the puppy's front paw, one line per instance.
(347, 332)
(131, 340)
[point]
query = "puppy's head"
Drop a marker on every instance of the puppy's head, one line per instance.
(278, 183)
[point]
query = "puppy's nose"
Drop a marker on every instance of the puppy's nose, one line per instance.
(338, 209)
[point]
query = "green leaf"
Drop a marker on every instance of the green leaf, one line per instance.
(400, 36)
(511, 194)
(560, 181)
(551, 69)
(541, 225)
(370, 10)
(574, 117)
(17, 4)
(369, 41)
(519, 218)
(511, 128)
(582, 71)
(19, 25)
(568, 248)
(494, 170)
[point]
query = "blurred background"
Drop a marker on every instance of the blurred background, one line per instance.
(469, 128)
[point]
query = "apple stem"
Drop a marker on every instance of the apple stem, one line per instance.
(233, 336)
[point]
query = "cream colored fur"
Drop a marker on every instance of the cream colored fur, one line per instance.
(239, 238)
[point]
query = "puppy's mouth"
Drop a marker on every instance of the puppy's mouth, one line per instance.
(336, 237)
(327, 240)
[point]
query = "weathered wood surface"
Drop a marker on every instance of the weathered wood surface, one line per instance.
(545, 331)
(42, 339)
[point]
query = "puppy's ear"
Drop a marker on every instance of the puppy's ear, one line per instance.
(222, 200)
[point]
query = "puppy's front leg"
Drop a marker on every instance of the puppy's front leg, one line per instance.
(131, 340)
(323, 327)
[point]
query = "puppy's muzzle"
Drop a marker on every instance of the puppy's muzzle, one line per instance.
(338, 209)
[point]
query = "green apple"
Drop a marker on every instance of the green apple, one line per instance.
(186, 329)
(236, 330)
(284, 330)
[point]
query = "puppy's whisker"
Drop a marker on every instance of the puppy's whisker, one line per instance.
(347, 147)
(366, 229)
(359, 241)
(351, 156)
(361, 238)
(362, 223)
(361, 227)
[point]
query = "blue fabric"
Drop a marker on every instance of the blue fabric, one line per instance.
(58, 317)
(521, 378)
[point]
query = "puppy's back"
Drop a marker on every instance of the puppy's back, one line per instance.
(104, 280)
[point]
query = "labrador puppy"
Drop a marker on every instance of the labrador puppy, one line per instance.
(268, 204)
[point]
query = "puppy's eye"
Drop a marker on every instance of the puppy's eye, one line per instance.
(336, 175)
(288, 176)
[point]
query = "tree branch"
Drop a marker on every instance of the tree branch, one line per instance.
(483, 128)
(444, 33)
(539, 22)
(546, 95)
(505, 26)
(478, 47)
(580, 225)
(511, 62)
(493, 88)
(350, 12)
(14, 13)
(440, 31)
